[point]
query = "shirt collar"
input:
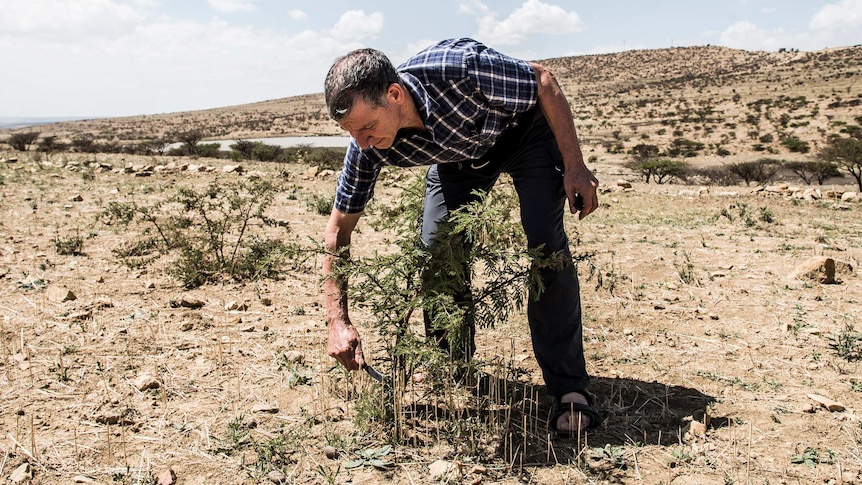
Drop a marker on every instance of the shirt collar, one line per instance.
(424, 103)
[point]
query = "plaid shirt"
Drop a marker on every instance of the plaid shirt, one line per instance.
(467, 95)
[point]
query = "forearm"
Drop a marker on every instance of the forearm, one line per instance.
(557, 111)
(336, 241)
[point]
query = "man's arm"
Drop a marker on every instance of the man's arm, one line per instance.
(578, 178)
(344, 342)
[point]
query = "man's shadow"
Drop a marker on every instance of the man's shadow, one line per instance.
(634, 412)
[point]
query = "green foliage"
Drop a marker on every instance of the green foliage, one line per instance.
(371, 457)
(69, 245)
(683, 147)
(659, 170)
(847, 153)
(209, 233)
(759, 171)
(847, 344)
(409, 279)
(812, 457)
(266, 153)
(22, 140)
(818, 170)
(795, 144)
(320, 204)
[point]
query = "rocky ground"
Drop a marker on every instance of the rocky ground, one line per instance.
(722, 326)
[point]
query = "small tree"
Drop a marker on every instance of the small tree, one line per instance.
(190, 140)
(847, 153)
(759, 171)
(819, 170)
(21, 141)
(659, 170)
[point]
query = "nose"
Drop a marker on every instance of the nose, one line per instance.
(362, 141)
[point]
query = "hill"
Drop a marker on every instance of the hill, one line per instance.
(709, 101)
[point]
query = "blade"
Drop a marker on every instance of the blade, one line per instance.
(373, 373)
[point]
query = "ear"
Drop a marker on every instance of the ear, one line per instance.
(395, 93)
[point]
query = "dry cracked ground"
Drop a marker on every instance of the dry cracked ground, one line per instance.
(716, 360)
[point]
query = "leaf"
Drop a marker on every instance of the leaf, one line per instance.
(383, 451)
(354, 464)
(379, 463)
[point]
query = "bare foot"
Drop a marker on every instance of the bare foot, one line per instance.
(572, 422)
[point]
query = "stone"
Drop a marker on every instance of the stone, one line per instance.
(312, 171)
(238, 169)
(60, 294)
(236, 306)
(330, 452)
(442, 470)
(623, 184)
(168, 477)
(294, 357)
(832, 406)
(264, 408)
(188, 302)
(83, 479)
(820, 269)
(145, 382)
(276, 476)
(21, 473)
(849, 197)
(76, 198)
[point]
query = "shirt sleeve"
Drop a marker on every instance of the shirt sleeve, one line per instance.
(355, 185)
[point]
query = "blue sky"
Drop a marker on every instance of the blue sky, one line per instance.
(99, 58)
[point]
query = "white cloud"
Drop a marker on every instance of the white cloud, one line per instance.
(846, 14)
(746, 35)
(531, 18)
(231, 6)
(297, 15)
(64, 21)
(356, 25)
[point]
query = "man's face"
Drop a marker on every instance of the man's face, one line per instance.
(373, 127)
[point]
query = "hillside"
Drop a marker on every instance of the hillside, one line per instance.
(734, 102)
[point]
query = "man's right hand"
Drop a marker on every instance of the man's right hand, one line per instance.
(345, 345)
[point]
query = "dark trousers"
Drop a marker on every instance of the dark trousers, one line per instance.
(529, 154)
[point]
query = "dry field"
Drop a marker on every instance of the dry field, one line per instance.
(696, 319)
(715, 362)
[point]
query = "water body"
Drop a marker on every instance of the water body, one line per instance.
(292, 141)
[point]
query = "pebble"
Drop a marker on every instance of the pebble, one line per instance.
(441, 470)
(168, 477)
(145, 382)
(21, 473)
(330, 452)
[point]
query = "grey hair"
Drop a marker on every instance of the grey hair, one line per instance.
(361, 74)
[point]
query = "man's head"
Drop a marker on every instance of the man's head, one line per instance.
(364, 74)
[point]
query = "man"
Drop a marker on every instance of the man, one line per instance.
(470, 113)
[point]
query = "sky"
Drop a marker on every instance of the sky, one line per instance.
(106, 58)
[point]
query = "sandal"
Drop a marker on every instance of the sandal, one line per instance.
(560, 408)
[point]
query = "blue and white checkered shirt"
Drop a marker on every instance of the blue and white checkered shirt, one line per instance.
(467, 95)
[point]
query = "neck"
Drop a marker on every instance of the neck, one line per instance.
(412, 120)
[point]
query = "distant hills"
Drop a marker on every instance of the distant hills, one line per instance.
(12, 122)
(703, 101)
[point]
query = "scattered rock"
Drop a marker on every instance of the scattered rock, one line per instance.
(442, 470)
(238, 169)
(833, 406)
(76, 198)
(330, 452)
(59, 294)
(294, 357)
(187, 302)
(168, 477)
(114, 417)
(624, 185)
(312, 171)
(276, 476)
(266, 301)
(21, 473)
(697, 429)
(83, 479)
(150, 285)
(264, 408)
(235, 306)
(820, 269)
(849, 197)
(145, 382)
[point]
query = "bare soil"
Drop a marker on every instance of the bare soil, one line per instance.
(705, 351)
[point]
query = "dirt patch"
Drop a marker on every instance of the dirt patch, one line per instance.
(703, 348)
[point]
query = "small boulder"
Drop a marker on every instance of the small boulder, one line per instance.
(60, 294)
(145, 382)
(820, 269)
